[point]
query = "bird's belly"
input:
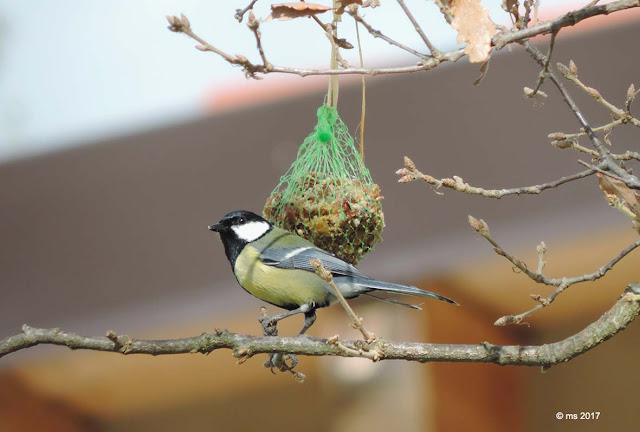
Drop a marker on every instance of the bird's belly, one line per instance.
(285, 288)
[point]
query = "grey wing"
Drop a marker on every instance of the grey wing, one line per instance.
(299, 257)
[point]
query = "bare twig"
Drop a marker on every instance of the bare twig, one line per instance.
(499, 40)
(434, 51)
(623, 312)
(545, 70)
(561, 284)
(356, 321)
(254, 26)
(504, 38)
(182, 25)
(569, 141)
(240, 12)
(618, 113)
(541, 249)
(601, 171)
(610, 163)
(378, 34)
(411, 173)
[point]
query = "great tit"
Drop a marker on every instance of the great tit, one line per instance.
(273, 265)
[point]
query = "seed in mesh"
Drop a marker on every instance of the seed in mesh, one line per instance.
(341, 216)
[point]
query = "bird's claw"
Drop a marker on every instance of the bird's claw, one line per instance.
(269, 326)
(279, 361)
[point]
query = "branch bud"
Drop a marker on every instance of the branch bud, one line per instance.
(409, 164)
(479, 226)
(573, 68)
(557, 136)
(594, 93)
(185, 22)
(505, 320)
(174, 24)
(562, 144)
(565, 71)
(631, 93)
(253, 23)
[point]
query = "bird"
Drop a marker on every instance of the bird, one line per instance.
(273, 265)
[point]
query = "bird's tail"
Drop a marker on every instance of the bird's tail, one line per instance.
(401, 289)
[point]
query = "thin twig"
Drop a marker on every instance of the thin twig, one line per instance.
(325, 275)
(542, 279)
(601, 171)
(411, 173)
(561, 284)
(545, 70)
(499, 40)
(618, 113)
(504, 38)
(254, 26)
(434, 51)
(240, 12)
(378, 34)
(629, 179)
(616, 319)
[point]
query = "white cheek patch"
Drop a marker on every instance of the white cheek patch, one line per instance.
(251, 231)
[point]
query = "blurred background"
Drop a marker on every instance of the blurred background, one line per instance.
(120, 143)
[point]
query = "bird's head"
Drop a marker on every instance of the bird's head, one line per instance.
(242, 225)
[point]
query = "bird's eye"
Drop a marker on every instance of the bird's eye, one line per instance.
(242, 220)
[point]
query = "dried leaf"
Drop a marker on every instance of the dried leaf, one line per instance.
(474, 27)
(617, 191)
(287, 11)
(483, 71)
(371, 3)
(510, 6)
(345, 3)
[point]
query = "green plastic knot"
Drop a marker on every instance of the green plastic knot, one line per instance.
(326, 122)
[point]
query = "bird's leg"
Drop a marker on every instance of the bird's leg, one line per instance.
(269, 323)
(309, 319)
(269, 328)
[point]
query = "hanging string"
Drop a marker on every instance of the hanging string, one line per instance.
(364, 93)
(333, 79)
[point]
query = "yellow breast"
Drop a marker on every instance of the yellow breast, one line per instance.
(285, 288)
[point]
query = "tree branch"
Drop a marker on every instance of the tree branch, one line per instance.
(240, 12)
(499, 41)
(561, 284)
(504, 38)
(434, 51)
(623, 312)
(410, 173)
(608, 161)
(378, 34)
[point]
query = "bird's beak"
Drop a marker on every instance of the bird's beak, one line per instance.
(216, 227)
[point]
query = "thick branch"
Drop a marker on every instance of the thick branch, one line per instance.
(623, 312)
(504, 38)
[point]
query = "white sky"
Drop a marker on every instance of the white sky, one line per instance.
(74, 70)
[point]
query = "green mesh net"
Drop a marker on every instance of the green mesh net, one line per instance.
(328, 196)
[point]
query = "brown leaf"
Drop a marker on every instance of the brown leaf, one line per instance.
(345, 3)
(615, 190)
(287, 11)
(474, 27)
(483, 71)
